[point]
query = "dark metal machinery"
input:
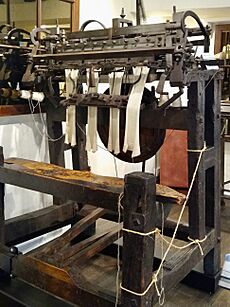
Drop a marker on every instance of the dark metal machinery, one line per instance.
(60, 267)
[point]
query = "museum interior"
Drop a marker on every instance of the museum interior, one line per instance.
(114, 153)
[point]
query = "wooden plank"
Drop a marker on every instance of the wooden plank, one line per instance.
(80, 186)
(16, 109)
(59, 282)
(94, 248)
(12, 293)
(70, 251)
(138, 251)
(213, 177)
(196, 138)
(191, 256)
(27, 226)
(64, 240)
(75, 16)
(79, 154)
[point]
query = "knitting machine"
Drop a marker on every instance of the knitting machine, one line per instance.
(131, 120)
(164, 50)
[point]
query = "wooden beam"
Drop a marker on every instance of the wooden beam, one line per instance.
(80, 186)
(27, 226)
(181, 263)
(16, 109)
(75, 16)
(2, 203)
(38, 13)
(53, 247)
(138, 251)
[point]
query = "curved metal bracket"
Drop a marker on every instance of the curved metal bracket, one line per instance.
(34, 33)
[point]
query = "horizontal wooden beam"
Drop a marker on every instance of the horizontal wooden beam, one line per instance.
(9, 110)
(176, 268)
(30, 225)
(80, 186)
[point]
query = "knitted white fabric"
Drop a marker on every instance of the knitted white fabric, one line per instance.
(91, 136)
(115, 82)
(132, 141)
(71, 76)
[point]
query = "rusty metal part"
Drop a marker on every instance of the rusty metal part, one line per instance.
(99, 100)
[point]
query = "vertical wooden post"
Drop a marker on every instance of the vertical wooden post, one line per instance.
(138, 251)
(196, 138)
(8, 15)
(75, 16)
(38, 13)
(79, 154)
(213, 180)
(56, 148)
(2, 204)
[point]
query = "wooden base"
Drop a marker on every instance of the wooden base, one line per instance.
(202, 282)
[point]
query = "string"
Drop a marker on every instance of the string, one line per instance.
(193, 241)
(213, 76)
(142, 233)
(32, 108)
(170, 244)
(118, 251)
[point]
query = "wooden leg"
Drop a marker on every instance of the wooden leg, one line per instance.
(79, 154)
(56, 148)
(2, 203)
(2, 213)
(138, 251)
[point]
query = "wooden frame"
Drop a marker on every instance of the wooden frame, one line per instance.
(218, 30)
(203, 123)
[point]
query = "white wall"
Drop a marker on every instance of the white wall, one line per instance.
(19, 137)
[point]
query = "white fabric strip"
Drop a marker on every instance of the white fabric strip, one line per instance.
(115, 82)
(38, 96)
(132, 141)
(71, 76)
(91, 136)
(25, 94)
